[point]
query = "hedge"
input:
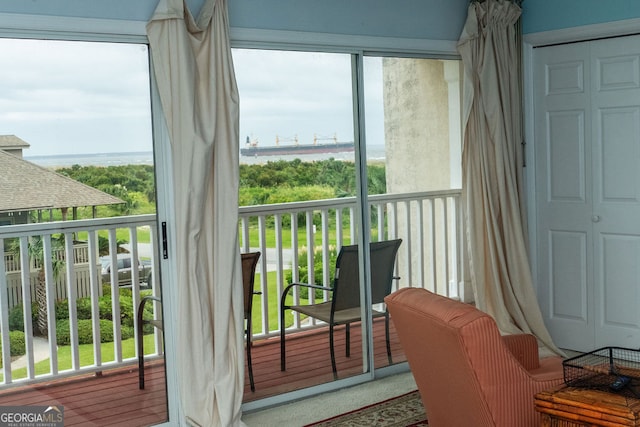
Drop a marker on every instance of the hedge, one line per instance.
(85, 332)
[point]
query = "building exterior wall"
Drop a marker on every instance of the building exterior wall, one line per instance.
(416, 125)
(423, 148)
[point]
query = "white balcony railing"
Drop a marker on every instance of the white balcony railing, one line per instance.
(428, 223)
(29, 255)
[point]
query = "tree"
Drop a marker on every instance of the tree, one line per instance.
(36, 257)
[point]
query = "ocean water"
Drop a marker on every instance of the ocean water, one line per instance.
(97, 159)
(146, 158)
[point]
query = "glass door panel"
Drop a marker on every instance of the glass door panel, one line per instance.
(413, 145)
(297, 207)
(79, 235)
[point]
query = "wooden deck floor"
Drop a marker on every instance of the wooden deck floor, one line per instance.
(114, 399)
(309, 362)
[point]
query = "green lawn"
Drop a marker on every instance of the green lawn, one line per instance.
(86, 356)
(286, 237)
(274, 301)
(270, 237)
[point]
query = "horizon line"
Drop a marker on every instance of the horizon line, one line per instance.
(86, 154)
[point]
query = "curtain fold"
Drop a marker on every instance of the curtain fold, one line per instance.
(194, 72)
(492, 178)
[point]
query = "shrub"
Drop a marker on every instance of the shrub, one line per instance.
(303, 271)
(17, 344)
(127, 314)
(126, 308)
(85, 332)
(83, 308)
(16, 317)
(106, 289)
(62, 310)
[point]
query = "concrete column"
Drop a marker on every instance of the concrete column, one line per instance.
(422, 128)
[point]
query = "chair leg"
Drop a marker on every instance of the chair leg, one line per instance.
(140, 366)
(386, 333)
(347, 330)
(333, 353)
(249, 364)
(140, 343)
(282, 346)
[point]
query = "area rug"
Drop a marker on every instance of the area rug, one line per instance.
(401, 411)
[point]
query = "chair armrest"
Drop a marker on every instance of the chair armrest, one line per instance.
(524, 348)
(144, 300)
(306, 285)
(155, 322)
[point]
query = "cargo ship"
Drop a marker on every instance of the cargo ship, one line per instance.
(252, 148)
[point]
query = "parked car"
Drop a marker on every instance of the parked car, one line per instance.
(124, 270)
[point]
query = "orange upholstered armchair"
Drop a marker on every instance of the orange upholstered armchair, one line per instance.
(467, 374)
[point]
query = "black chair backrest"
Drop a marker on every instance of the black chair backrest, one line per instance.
(249, 262)
(346, 285)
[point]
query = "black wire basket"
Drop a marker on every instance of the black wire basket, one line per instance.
(613, 369)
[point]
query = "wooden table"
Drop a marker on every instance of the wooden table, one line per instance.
(576, 407)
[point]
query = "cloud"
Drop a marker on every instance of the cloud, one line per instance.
(285, 93)
(90, 97)
(75, 97)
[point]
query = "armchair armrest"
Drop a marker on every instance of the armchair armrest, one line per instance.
(524, 348)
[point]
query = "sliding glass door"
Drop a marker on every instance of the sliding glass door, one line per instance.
(342, 150)
(78, 230)
(298, 208)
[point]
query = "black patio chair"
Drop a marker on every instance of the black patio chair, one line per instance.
(156, 322)
(249, 262)
(344, 306)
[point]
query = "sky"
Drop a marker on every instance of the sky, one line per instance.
(87, 97)
(80, 97)
(293, 94)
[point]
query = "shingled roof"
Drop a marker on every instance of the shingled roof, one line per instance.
(12, 141)
(25, 186)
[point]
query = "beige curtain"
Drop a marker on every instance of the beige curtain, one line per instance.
(492, 178)
(194, 71)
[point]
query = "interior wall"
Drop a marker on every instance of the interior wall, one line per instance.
(417, 19)
(548, 15)
(421, 19)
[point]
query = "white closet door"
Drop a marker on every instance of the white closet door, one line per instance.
(587, 115)
(615, 112)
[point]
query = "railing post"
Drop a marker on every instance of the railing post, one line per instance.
(50, 298)
(71, 299)
(4, 316)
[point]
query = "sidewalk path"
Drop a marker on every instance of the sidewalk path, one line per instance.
(40, 352)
